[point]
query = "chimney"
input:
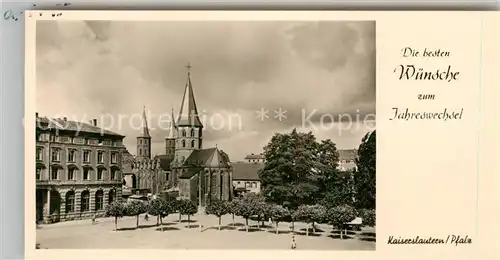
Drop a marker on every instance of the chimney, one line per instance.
(36, 114)
(94, 122)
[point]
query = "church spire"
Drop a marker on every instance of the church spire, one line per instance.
(171, 134)
(145, 129)
(188, 115)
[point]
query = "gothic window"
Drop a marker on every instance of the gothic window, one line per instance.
(183, 132)
(70, 201)
(99, 200)
(183, 143)
(85, 204)
(192, 144)
(192, 132)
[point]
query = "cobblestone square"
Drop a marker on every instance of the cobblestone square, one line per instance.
(85, 235)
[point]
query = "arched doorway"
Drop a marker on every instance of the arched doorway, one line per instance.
(85, 201)
(111, 196)
(55, 202)
(70, 201)
(99, 200)
(134, 181)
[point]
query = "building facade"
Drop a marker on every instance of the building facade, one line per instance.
(185, 162)
(347, 159)
(255, 158)
(246, 177)
(78, 169)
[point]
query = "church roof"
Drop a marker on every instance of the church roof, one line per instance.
(211, 157)
(246, 171)
(145, 129)
(188, 115)
(165, 160)
(190, 172)
(171, 133)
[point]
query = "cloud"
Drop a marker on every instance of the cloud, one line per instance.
(92, 68)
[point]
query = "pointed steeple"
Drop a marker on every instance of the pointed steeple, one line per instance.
(188, 115)
(171, 134)
(145, 129)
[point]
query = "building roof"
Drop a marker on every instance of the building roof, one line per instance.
(171, 132)
(190, 172)
(165, 160)
(127, 161)
(246, 171)
(348, 154)
(73, 126)
(211, 157)
(188, 115)
(254, 156)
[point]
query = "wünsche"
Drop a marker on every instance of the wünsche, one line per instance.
(409, 72)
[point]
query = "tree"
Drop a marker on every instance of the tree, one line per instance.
(259, 205)
(365, 175)
(160, 208)
(340, 215)
(368, 216)
(189, 208)
(278, 213)
(116, 210)
(218, 208)
(296, 169)
(233, 208)
(244, 209)
(135, 208)
(339, 190)
(310, 214)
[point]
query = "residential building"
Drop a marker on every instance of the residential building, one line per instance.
(78, 169)
(246, 177)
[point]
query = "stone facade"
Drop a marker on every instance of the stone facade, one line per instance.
(78, 169)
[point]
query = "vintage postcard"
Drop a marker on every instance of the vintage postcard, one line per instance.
(261, 134)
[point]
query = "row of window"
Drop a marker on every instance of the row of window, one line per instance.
(346, 161)
(72, 154)
(85, 200)
(72, 172)
(249, 184)
(255, 160)
(184, 133)
(77, 140)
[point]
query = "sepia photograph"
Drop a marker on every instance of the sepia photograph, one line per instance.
(205, 134)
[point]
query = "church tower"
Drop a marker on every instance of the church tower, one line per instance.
(144, 139)
(189, 127)
(170, 139)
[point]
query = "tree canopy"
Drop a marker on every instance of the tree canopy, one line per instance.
(365, 175)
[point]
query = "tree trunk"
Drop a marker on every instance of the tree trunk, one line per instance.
(307, 231)
(293, 226)
(219, 221)
(180, 217)
(341, 232)
(258, 224)
(314, 228)
(246, 223)
(233, 220)
(161, 223)
(137, 221)
(116, 223)
(277, 231)
(157, 220)
(189, 221)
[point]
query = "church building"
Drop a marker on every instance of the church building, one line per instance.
(187, 169)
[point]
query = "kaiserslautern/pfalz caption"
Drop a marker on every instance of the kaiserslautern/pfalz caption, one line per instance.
(450, 239)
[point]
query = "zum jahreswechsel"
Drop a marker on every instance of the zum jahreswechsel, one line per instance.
(445, 115)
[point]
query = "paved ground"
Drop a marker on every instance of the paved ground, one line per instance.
(82, 234)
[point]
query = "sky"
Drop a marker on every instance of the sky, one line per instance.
(317, 73)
